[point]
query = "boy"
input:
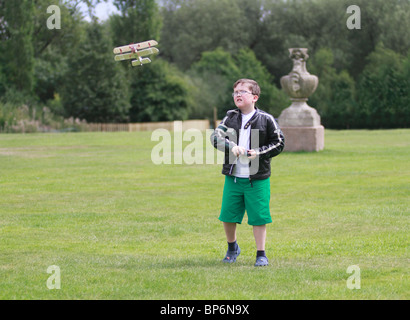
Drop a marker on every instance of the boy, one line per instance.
(247, 167)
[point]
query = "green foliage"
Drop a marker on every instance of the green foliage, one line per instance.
(159, 93)
(213, 43)
(384, 90)
(221, 70)
(395, 27)
(138, 21)
(7, 115)
(197, 26)
(334, 96)
(52, 47)
(17, 52)
(271, 99)
(16, 113)
(49, 71)
(3, 82)
(94, 88)
(380, 101)
(61, 40)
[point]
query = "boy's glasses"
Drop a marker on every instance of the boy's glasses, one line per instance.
(240, 92)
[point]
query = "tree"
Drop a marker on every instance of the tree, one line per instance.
(195, 26)
(395, 26)
(52, 47)
(158, 93)
(334, 96)
(62, 39)
(139, 20)
(272, 99)
(219, 71)
(95, 88)
(383, 89)
(16, 53)
(3, 82)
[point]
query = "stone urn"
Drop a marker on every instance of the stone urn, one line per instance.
(299, 84)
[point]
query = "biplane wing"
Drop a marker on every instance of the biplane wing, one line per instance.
(136, 54)
(135, 46)
(140, 62)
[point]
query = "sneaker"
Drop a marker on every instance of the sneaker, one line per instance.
(231, 256)
(261, 261)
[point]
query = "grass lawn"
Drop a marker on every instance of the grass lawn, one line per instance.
(120, 227)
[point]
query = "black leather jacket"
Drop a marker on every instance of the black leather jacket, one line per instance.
(266, 139)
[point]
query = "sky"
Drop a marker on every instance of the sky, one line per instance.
(102, 10)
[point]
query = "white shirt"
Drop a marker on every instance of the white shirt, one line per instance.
(242, 165)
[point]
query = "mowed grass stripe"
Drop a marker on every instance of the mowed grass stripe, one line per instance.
(120, 227)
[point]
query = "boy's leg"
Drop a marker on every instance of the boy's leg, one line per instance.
(232, 212)
(230, 231)
(259, 232)
(257, 199)
(233, 248)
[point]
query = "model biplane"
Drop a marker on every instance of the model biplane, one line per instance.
(136, 51)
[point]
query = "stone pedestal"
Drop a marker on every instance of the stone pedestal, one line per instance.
(309, 139)
(299, 114)
(300, 123)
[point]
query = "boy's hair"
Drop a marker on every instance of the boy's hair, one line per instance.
(253, 86)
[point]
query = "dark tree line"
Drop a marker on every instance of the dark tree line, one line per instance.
(205, 45)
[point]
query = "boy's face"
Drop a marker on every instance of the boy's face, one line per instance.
(244, 101)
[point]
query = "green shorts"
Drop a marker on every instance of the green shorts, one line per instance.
(240, 195)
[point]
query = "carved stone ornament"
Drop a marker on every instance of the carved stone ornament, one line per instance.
(300, 123)
(299, 84)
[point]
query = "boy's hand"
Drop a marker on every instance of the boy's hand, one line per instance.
(251, 154)
(238, 151)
